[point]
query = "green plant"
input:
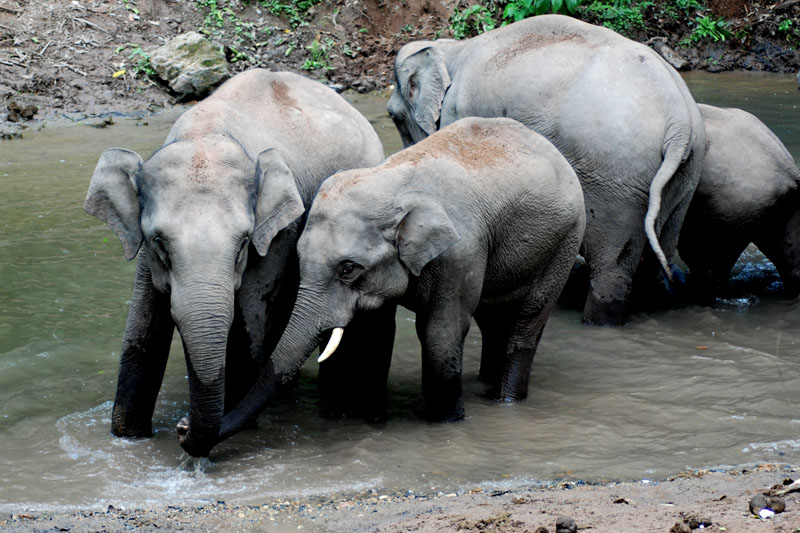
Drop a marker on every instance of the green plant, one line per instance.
(318, 55)
(142, 63)
(294, 10)
(622, 16)
(707, 27)
(519, 9)
(473, 20)
(785, 25)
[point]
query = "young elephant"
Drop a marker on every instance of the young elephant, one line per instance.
(483, 219)
(749, 191)
(217, 211)
(621, 116)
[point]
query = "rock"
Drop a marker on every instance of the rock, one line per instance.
(680, 527)
(17, 112)
(565, 524)
(190, 65)
(778, 505)
(758, 502)
(542, 529)
(696, 523)
(670, 56)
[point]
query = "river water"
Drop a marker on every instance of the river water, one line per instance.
(685, 389)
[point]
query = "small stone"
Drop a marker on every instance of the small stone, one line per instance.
(776, 504)
(542, 529)
(680, 527)
(565, 524)
(758, 502)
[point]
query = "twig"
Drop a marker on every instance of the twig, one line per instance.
(40, 54)
(73, 69)
(12, 63)
(93, 25)
(794, 487)
(6, 27)
(10, 9)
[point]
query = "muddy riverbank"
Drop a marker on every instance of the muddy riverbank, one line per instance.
(717, 500)
(86, 58)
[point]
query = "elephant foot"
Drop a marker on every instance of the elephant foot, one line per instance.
(182, 429)
(599, 312)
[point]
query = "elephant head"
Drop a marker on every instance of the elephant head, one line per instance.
(358, 251)
(421, 81)
(195, 208)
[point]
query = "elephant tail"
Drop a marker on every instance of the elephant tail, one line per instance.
(676, 151)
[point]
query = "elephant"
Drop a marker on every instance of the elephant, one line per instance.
(482, 219)
(621, 116)
(749, 191)
(214, 216)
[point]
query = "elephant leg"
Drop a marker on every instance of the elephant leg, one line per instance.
(352, 382)
(441, 333)
(145, 350)
(613, 257)
(782, 247)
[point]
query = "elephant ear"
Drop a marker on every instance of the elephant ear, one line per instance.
(424, 232)
(278, 202)
(423, 81)
(113, 196)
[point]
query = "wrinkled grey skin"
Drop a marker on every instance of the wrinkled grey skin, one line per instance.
(483, 218)
(621, 116)
(216, 212)
(749, 191)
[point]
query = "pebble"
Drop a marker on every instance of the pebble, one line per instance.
(565, 524)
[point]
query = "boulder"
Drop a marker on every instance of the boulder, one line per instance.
(190, 65)
(671, 56)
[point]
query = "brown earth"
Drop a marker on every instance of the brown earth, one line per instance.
(717, 501)
(61, 55)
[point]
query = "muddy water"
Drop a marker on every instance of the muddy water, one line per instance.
(689, 388)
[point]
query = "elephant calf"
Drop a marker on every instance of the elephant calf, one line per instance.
(216, 212)
(483, 218)
(749, 191)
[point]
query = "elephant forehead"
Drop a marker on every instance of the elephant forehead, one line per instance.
(348, 236)
(213, 162)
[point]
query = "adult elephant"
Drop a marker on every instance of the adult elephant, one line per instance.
(217, 211)
(749, 191)
(621, 116)
(483, 218)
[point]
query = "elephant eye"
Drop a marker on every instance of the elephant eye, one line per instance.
(349, 271)
(242, 250)
(161, 250)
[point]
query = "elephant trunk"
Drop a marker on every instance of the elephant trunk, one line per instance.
(203, 312)
(299, 339)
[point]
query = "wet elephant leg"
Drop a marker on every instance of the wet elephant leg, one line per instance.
(441, 333)
(145, 350)
(352, 382)
(613, 257)
(781, 244)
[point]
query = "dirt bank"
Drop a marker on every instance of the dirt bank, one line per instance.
(59, 58)
(718, 501)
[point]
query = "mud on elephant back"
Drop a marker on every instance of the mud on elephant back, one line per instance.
(217, 211)
(483, 219)
(622, 117)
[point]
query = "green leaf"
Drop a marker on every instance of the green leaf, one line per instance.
(540, 7)
(556, 5)
(572, 5)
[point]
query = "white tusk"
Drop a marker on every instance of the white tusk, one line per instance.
(336, 338)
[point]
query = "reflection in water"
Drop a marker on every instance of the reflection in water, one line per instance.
(686, 388)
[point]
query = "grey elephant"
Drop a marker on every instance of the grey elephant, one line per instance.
(621, 116)
(749, 191)
(216, 212)
(483, 218)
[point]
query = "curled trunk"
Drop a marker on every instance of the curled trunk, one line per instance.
(299, 339)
